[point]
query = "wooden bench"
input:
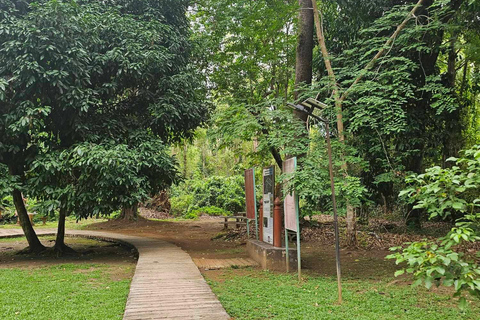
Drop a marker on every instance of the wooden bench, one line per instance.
(240, 220)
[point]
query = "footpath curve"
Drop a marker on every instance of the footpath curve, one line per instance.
(166, 284)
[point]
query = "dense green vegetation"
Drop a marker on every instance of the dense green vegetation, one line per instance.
(418, 106)
(451, 193)
(227, 194)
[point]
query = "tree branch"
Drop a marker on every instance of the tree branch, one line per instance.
(275, 153)
(328, 66)
(381, 52)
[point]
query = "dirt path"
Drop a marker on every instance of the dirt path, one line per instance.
(195, 237)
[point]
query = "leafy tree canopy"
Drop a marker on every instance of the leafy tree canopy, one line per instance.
(83, 82)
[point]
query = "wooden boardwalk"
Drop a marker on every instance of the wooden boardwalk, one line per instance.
(166, 285)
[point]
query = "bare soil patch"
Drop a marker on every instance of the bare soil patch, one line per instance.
(89, 251)
(205, 238)
(200, 238)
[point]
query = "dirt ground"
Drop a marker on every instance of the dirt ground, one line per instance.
(205, 238)
(195, 237)
(88, 252)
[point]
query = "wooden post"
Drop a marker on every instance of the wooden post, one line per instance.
(277, 223)
(260, 220)
(287, 254)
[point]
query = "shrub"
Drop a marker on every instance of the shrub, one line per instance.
(225, 193)
(181, 204)
(446, 193)
(191, 215)
(211, 211)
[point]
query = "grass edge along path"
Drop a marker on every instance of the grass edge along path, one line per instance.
(255, 294)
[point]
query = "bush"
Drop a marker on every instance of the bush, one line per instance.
(225, 193)
(191, 215)
(211, 211)
(446, 193)
(181, 204)
(6, 206)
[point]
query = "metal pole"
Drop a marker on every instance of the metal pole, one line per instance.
(299, 260)
(297, 211)
(255, 197)
(287, 256)
(335, 216)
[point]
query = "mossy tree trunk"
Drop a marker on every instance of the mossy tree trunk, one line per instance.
(60, 247)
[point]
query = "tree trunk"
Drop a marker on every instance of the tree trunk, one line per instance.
(129, 213)
(60, 247)
(304, 53)
(185, 150)
(351, 219)
(34, 244)
(453, 140)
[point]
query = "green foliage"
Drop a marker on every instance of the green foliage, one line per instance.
(90, 93)
(191, 215)
(450, 192)
(90, 179)
(446, 192)
(210, 210)
(410, 109)
(226, 193)
(180, 203)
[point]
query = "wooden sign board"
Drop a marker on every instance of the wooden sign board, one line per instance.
(290, 203)
(250, 200)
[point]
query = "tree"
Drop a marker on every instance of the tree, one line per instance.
(393, 115)
(93, 72)
(304, 52)
(248, 55)
(395, 105)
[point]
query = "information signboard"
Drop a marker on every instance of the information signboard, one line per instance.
(268, 196)
(290, 204)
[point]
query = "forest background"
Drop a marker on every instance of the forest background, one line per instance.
(400, 79)
(414, 109)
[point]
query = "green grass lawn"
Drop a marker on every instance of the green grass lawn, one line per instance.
(254, 294)
(67, 291)
(70, 223)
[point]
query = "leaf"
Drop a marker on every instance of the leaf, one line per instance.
(457, 205)
(441, 270)
(417, 282)
(462, 303)
(428, 282)
(399, 272)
